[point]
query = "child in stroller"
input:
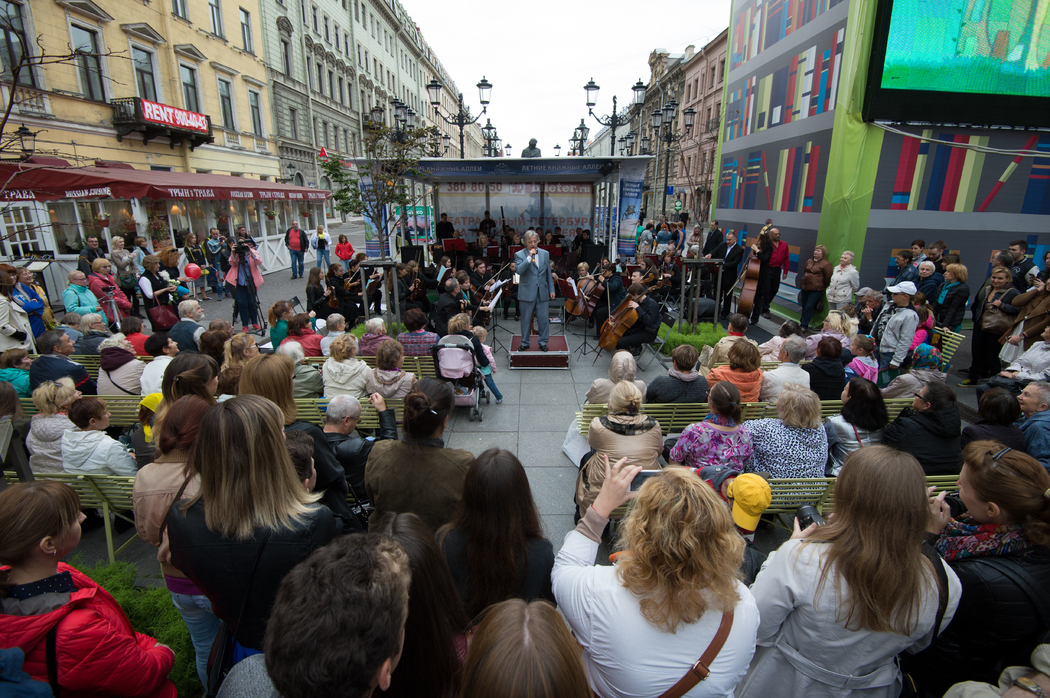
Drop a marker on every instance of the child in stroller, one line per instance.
(458, 357)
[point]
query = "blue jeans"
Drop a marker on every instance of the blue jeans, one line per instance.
(809, 304)
(323, 254)
(246, 306)
(297, 262)
(203, 626)
(492, 386)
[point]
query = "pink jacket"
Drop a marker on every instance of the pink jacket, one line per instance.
(488, 354)
(922, 332)
(231, 275)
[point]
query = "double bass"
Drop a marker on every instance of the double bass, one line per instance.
(590, 291)
(750, 274)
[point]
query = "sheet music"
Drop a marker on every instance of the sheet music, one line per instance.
(572, 283)
(495, 299)
(496, 285)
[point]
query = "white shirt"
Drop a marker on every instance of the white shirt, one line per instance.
(773, 381)
(153, 374)
(627, 656)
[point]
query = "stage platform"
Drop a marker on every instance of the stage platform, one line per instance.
(556, 356)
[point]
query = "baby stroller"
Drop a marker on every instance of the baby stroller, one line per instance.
(454, 361)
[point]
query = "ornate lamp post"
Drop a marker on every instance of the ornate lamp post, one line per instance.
(663, 125)
(615, 119)
(462, 118)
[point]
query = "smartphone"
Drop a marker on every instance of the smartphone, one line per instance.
(640, 478)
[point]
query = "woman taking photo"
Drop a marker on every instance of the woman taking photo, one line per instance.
(644, 622)
(418, 474)
(96, 650)
(840, 601)
(437, 629)
(494, 544)
(1005, 533)
(815, 280)
(270, 376)
(860, 423)
(720, 439)
(157, 486)
(251, 521)
(622, 433)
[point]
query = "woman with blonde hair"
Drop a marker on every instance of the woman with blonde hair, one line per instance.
(251, 521)
(343, 373)
(239, 348)
(52, 400)
(524, 650)
(270, 376)
(837, 325)
(321, 241)
(104, 286)
(156, 291)
(814, 281)
(794, 444)
(744, 371)
(78, 298)
(840, 601)
(387, 378)
(622, 433)
(1004, 535)
(644, 622)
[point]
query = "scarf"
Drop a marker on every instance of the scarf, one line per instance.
(627, 429)
(926, 356)
(964, 537)
(720, 419)
(687, 377)
(944, 291)
(112, 358)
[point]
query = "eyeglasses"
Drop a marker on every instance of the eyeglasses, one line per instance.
(920, 396)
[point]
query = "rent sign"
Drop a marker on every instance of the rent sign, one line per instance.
(174, 117)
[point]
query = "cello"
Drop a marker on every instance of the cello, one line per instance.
(589, 293)
(622, 319)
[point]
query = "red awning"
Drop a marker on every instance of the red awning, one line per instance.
(30, 182)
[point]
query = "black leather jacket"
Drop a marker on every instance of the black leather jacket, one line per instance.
(995, 626)
(352, 451)
(221, 567)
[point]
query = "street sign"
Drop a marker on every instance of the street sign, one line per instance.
(678, 206)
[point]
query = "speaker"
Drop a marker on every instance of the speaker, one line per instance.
(410, 252)
(592, 254)
(606, 169)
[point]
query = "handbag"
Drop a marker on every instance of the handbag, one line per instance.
(994, 320)
(220, 658)
(702, 668)
(162, 317)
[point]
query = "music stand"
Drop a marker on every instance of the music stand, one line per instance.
(709, 264)
(456, 247)
(568, 290)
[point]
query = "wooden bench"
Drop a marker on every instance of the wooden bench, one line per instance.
(950, 343)
(123, 409)
(421, 366)
(310, 410)
(111, 493)
(675, 417)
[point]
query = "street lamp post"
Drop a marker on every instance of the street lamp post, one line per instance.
(462, 117)
(663, 125)
(581, 134)
(615, 119)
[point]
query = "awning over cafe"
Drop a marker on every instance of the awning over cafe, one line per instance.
(34, 182)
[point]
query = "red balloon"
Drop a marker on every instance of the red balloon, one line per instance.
(193, 271)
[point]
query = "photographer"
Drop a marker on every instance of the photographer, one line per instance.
(244, 275)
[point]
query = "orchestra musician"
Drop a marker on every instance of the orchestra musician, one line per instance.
(487, 225)
(581, 273)
(644, 330)
(448, 306)
(481, 277)
(335, 281)
(466, 295)
(668, 273)
(613, 295)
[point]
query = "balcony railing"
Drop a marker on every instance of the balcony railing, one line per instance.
(129, 117)
(711, 129)
(27, 100)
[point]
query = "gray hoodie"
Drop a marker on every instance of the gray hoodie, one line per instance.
(95, 453)
(45, 442)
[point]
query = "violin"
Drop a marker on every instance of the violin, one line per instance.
(374, 284)
(333, 297)
(417, 291)
(349, 284)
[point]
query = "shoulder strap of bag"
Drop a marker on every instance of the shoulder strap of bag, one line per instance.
(942, 588)
(119, 387)
(52, 659)
(701, 670)
(1019, 576)
(178, 496)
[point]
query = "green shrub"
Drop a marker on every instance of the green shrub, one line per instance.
(706, 335)
(152, 613)
(359, 330)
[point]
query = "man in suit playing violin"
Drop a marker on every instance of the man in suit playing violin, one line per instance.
(535, 288)
(732, 253)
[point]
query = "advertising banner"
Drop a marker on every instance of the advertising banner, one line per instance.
(420, 224)
(630, 203)
(464, 202)
(567, 205)
(517, 202)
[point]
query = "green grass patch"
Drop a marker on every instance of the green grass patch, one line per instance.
(359, 331)
(152, 613)
(706, 335)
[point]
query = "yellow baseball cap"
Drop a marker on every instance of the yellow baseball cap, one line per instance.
(151, 401)
(751, 497)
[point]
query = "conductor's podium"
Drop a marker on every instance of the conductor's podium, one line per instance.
(556, 356)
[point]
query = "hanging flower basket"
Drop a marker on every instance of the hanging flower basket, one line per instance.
(103, 222)
(223, 220)
(270, 213)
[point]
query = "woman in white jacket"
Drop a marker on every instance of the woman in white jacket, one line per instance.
(15, 330)
(342, 373)
(845, 280)
(838, 606)
(88, 449)
(120, 373)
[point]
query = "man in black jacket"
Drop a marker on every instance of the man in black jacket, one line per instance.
(448, 306)
(89, 254)
(644, 330)
(732, 253)
(54, 346)
(351, 450)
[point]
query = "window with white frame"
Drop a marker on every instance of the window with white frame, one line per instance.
(246, 31)
(302, 7)
(87, 47)
(326, 142)
(229, 121)
(331, 84)
(215, 13)
(22, 235)
(335, 35)
(310, 72)
(346, 45)
(255, 111)
(145, 80)
(320, 77)
(179, 9)
(190, 93)
(342, 99)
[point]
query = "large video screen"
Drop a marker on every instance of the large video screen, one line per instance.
(980, 62)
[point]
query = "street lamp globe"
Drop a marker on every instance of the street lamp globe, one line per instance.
(434, 92)
(658, 119)
(376, 115)
(410, 118)
(639, 92)
(630, 139)
(484, 89)
(645, 145)
(557, 150)
(690, 118)
(669, 111)
(584, 131)
(592, 93)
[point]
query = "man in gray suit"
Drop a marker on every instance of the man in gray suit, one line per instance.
(535, 288)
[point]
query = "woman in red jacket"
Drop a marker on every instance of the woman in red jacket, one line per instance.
(300, 329)
(102, 283)
(98, 653)
(343, 249)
